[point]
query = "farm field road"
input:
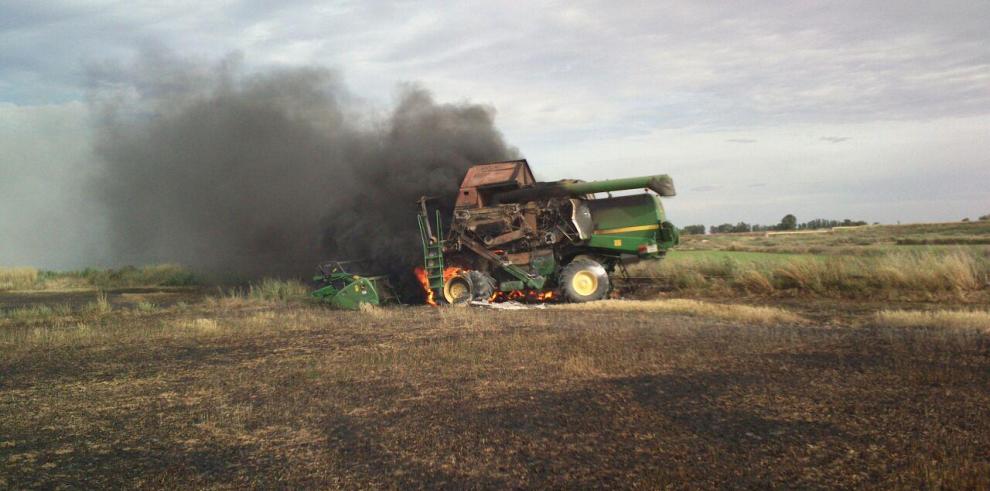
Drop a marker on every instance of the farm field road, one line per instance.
(230, 394)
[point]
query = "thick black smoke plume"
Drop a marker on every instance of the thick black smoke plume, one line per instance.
(271, 173)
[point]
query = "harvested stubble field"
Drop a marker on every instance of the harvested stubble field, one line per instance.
(866, 240)
(237, 392)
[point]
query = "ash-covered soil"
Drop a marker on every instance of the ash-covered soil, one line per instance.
(232, 393)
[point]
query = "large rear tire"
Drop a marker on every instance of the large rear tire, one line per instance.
(482, 285)
(584, 280)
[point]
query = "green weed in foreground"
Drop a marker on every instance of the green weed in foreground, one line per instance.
(37, 313)
(100, 306)
(145, 307)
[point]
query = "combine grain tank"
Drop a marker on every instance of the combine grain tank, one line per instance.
(511, 235)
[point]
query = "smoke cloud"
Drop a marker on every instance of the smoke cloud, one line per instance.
(270, 173)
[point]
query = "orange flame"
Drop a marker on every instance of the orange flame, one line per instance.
(524, 296)
(450, 272)
(425, 283)
(544, 296)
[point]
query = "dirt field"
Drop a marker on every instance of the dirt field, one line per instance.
(232, 393)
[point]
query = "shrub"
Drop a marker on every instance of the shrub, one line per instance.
(693, 230)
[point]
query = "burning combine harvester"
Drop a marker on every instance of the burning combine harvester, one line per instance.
(514, 238)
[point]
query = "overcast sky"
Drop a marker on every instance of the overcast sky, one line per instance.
(865, 110)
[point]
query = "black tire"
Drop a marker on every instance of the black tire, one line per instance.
(467, 286)
(584, 280)
(482, 285)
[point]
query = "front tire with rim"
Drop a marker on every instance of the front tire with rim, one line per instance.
(457, 290)
(466, 286)
(584, 280)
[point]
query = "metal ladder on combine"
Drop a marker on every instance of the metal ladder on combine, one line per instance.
(432, 249)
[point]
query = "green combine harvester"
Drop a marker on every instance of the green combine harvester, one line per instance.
(513, 237)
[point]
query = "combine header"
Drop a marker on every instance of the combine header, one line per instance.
(340, 287)
(513, 237)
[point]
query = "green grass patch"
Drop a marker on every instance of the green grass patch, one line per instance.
(36, 313)
(158, 275)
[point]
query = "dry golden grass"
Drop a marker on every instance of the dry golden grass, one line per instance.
(730, 312)
(941, 319)
(267, 292)
(271, 289)
(957, 271)
(754, 281)
(18, 278)
(952, 275)
(64, 283)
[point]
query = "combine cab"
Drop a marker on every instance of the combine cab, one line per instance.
(514, 237)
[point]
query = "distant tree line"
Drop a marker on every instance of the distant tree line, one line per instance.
(823, 223)
(984, 218)
(789, 222)
(693, 230)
